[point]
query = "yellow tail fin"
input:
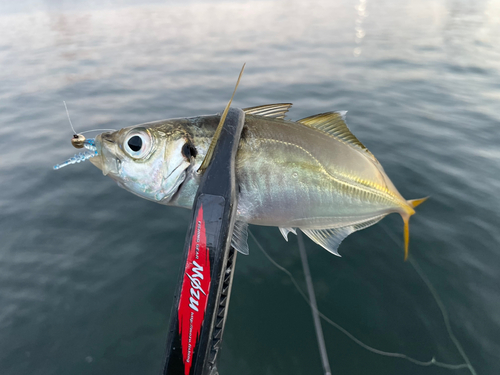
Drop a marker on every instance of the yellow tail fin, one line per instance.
(414, 203)
(417, 202)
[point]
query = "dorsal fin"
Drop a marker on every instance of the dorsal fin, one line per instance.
(269, 110)
(333, 123)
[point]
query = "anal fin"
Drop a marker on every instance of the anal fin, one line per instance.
(285, 231)
(240, 237)
(330, 238)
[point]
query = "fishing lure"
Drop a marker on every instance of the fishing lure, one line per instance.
(79, 141)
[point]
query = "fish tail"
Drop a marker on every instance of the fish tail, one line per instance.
(406, 218)
(416, 202)
(407, 235)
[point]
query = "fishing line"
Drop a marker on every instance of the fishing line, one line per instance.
(67, 113)
(347, 333)
(96, 130)
(314, 307)
(86, 131)
(439, 302)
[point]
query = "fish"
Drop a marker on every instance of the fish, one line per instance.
(312, 174)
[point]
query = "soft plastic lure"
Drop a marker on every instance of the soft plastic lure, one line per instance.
(89, 144)
(79, 141)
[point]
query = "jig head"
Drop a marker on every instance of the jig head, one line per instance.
(78, 141)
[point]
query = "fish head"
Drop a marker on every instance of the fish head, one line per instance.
(149, 161)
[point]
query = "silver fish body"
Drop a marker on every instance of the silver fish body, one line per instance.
(312, 174)
(295, 176)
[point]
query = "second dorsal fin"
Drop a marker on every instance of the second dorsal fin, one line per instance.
(269, 110)
(333, 123)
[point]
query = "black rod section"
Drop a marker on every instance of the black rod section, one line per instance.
(204, 285)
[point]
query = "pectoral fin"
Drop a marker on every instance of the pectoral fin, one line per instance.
(285, 231)
(331, 238)
(208, 157)
(240, 237)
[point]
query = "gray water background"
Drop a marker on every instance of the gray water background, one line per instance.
(88, 271)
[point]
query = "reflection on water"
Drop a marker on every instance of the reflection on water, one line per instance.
(88, 271)
(359, 31)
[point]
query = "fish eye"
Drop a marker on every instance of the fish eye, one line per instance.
(138, 144)
(135, 143)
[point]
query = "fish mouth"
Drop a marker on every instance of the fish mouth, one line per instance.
(105, 159)
(97, 160)
(166, 196)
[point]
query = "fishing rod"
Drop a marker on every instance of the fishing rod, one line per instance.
(204, 285)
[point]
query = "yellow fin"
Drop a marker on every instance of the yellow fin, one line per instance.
(407, 236)
(269, 110)
(333, 123)
(211, 148)
(413, 203)
(416, 202)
